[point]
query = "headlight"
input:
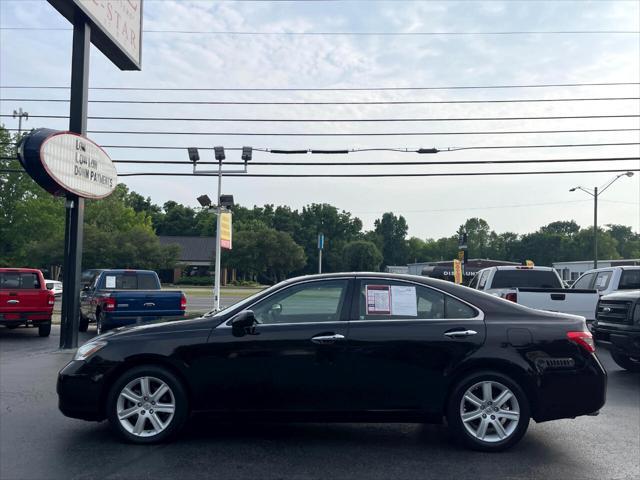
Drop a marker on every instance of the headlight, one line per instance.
(636, 314)
(88, 349)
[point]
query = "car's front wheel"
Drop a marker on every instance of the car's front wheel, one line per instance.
(625, 361)
(488, 411)
(147, 404)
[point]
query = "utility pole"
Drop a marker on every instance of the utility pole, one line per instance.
(595, 193)
(218, 259)
(20, 114)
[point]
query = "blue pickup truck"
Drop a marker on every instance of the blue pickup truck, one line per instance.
(115, 298)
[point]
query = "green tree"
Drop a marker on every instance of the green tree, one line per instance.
(393, 231)
(361, 255)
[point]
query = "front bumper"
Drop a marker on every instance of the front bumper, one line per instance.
(81, 391)
(622, 340)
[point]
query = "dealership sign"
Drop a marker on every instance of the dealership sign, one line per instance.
(65, 162)
(116, 27)
(226, 230)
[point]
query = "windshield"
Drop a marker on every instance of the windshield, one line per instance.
(241, 303)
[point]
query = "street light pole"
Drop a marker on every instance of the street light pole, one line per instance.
(194, 156)
(595, 193)
(595, 228)
(218, 260)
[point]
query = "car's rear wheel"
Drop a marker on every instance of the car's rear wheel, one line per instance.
(625, 361)
(44, 329)
(488, 411)
(147, 404)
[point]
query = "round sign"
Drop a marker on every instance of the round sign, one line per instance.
(65, 162)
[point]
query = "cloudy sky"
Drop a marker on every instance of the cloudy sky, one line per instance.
(35, 50)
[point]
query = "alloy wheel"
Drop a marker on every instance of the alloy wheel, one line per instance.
(489, 411)
(145, 406)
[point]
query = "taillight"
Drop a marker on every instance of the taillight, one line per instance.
(512, 297)
(183, 302)
(584, 339)
(110, 304)
(52, 299)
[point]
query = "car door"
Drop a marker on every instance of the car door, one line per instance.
(295, 357)
(403, 339)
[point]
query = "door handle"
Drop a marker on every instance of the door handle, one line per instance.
(327, 339)
(13, 301)
(149, 304)
(460, 333)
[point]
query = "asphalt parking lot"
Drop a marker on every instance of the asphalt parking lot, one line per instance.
(38, 442)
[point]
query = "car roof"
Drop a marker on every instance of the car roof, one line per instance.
(25, 270)
(607, 269)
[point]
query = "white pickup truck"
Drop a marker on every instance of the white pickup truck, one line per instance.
(610, 279)
(536, 287)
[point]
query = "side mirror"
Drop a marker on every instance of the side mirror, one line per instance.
(243, 323)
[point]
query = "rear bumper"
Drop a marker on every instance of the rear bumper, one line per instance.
(571, 393)
(80, 393)
(25, 318)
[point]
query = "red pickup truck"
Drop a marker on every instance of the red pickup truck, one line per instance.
(25, 299)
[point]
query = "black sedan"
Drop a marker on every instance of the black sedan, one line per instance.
(344, 347)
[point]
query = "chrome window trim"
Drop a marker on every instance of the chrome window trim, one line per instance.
(226, 324)
(480, 315)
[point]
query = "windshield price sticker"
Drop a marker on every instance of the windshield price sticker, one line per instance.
(378, 299)
(111, 282)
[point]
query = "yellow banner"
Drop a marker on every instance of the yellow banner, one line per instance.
(226, 232)
(457, 271)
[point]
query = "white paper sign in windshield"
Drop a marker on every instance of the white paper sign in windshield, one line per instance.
(111, 281)
(378, 299)
(403, 301)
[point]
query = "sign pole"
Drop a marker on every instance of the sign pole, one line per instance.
(74, 218)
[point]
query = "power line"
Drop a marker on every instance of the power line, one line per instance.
(356, 175)
(381, 149)
(366, 134)
(373, 164)
(335, 120)
(329, 89)
(356, 34)
(373, 102)
(367, 175)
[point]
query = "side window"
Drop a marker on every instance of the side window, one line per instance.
(306, 303)
(483, 280)
(602, 281)
(456, 309)
(474, 281)
(584, 281)
(392, 300)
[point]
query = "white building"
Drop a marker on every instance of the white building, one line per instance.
(572, 270)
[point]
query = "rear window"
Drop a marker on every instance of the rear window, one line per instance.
(525, 279)
(129, 281)
(19, 280)
(629, 280)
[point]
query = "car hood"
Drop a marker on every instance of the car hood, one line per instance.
(156, 328)
(622, 295)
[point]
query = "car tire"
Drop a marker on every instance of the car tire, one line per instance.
(143, 424)
(83, 324)
(44, 329)
(625, 361)
(488, 426)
